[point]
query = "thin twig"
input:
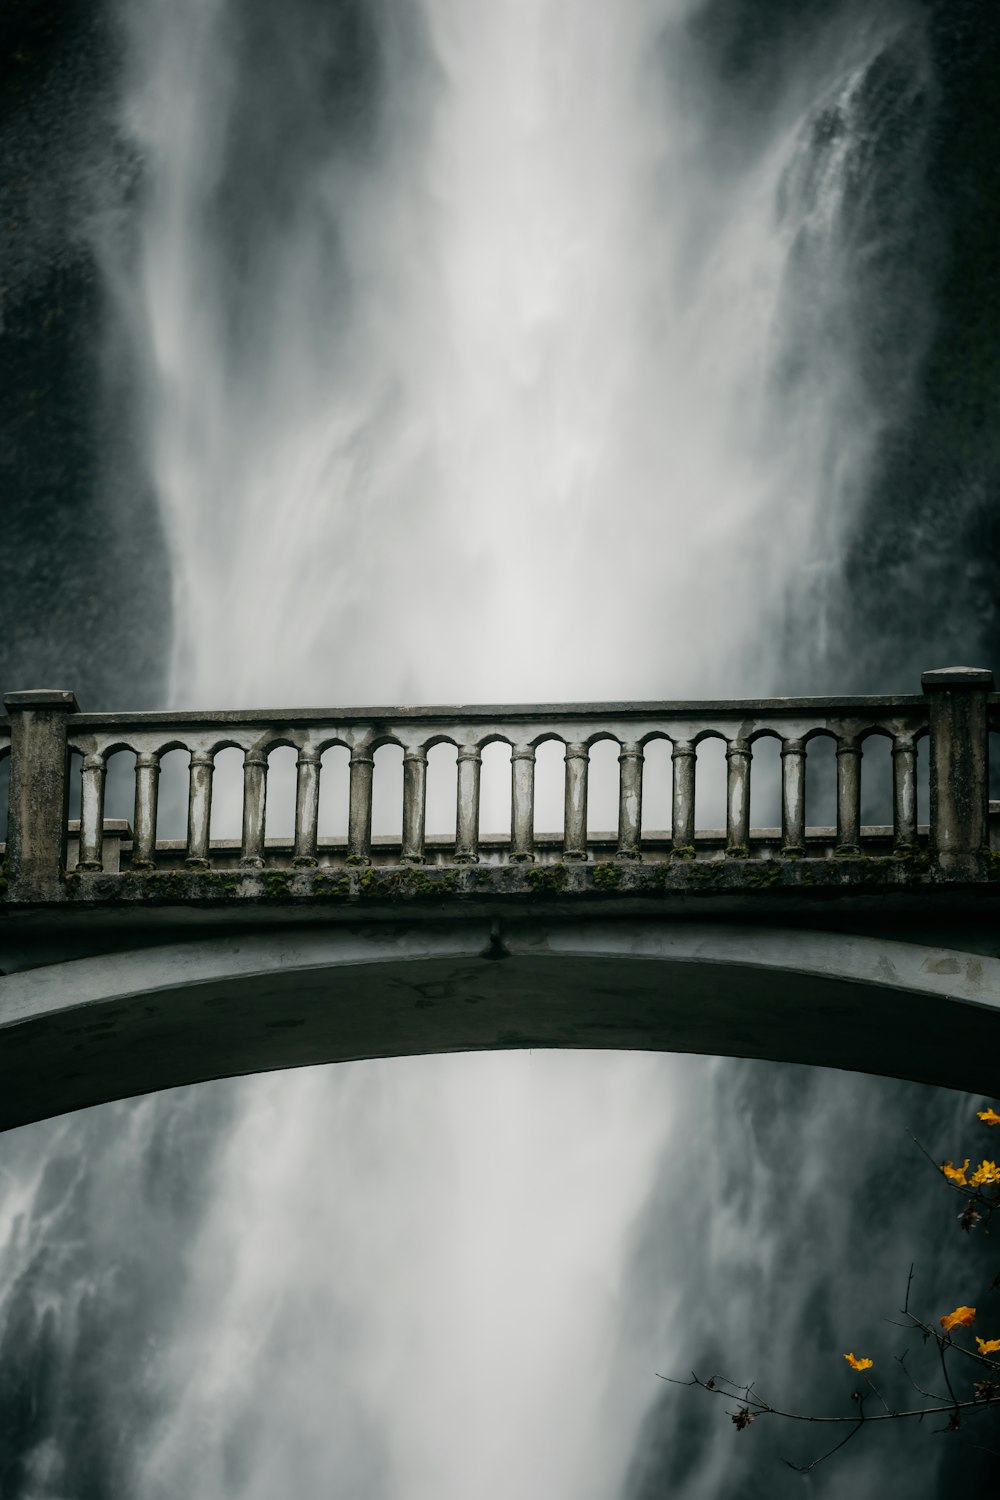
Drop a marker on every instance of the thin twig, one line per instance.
(805, 1468)
(878, 1393)
(947, 1377)
(931, 1395)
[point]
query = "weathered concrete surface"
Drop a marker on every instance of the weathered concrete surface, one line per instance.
(93, 1029)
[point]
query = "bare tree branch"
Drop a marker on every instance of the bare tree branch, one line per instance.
(764, 1408)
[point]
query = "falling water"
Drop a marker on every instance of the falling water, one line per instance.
(481, 357)
(466, 387)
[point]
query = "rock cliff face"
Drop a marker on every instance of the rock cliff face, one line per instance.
(82, 571)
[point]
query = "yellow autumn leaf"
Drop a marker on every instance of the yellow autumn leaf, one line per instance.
(955, 1174)
(962, 1317)
(858, 1364)
(988, 1116)
(987, 1171)
(987, 1346)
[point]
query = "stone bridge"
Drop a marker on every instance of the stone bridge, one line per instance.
(132, 961)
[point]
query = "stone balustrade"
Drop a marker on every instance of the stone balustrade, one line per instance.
(949, 721)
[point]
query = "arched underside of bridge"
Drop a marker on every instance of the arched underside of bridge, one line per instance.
(90, 1030)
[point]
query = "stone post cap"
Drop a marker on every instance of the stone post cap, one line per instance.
(952, 677)
(43, 698)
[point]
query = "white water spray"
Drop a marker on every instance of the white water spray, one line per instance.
(476, 400)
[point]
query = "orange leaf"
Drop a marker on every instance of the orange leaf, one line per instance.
(988, 1116)
(986, 1172)
(858, 1364)
(987, 1346)
(955, 1174)
(962, 1317)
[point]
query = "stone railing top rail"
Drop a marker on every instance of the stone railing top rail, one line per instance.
(479, 713)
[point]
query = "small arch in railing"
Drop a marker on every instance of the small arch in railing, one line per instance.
(495, 738)
(710, 782)
(233, 742)
(601, 736)
(119, 785)
(657, 785)
(441, 790)
(387, 790)
(378, 740)
(282, 780)
(495, 787)
(766, 784)
(172, 790)
(165, 748)
(440, 739)
(878, 802)
(604, 785)
(330, 742)
(550, 784)
(227, 781)
(820, 781)
(334, 791)
(548, 737)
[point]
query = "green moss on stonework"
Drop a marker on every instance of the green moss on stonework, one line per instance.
(546, 878)
(606, 877)
(163, 885)
(683, 851)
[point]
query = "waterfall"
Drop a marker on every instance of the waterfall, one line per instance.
(465, 313)
(484, 352)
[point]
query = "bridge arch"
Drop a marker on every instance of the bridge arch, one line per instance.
(93, 1029)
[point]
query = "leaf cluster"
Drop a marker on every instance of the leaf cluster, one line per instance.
(958, 1394)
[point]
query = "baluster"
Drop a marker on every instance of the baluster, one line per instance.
(414, 805)
(202, 766)
(629, 801)
(738, 753)
(307, 774)
(522, 804)
(575, 820)
(92, 776)
(254, 808)
(359, 818)
(793, 797)
(904, 793)
(848, 797)
(683, 759)
(147, 779)
(467, 817)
